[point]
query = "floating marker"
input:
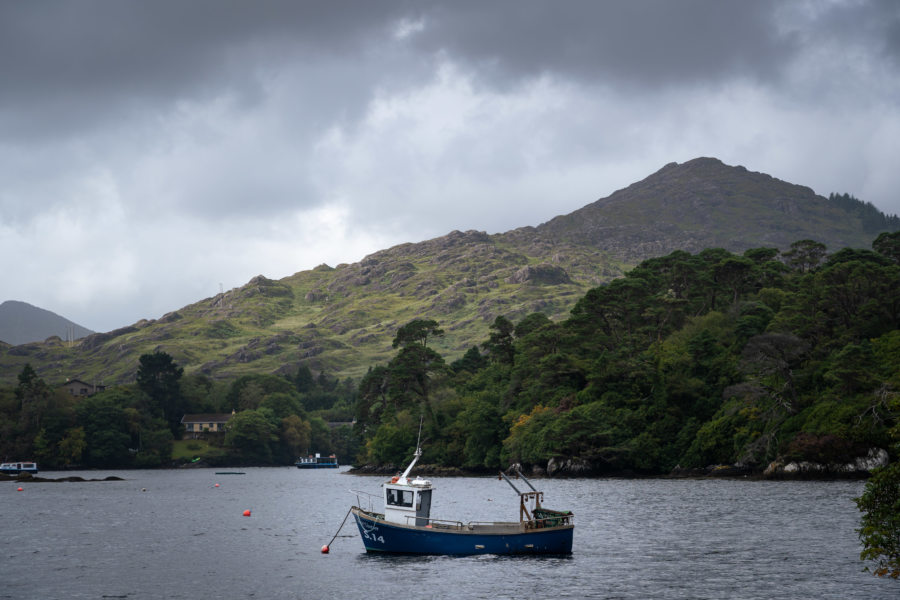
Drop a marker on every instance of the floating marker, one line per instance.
(247, 513)
(325, 549)
(18, 489)
(217, 485)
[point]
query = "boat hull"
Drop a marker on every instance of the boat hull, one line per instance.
(381, 536)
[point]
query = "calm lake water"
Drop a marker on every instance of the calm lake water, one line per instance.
(173, 534)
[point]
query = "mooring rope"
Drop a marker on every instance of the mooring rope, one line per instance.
(328, 545)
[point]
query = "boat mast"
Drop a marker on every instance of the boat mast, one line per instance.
(417, 454)
(412, 464)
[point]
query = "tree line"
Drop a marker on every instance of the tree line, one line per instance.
(871, 219)
(276, 419)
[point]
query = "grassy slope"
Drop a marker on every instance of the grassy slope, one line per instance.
(342, 320)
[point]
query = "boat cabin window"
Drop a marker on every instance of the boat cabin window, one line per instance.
(400, 497)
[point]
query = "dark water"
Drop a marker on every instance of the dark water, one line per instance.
(185, 538)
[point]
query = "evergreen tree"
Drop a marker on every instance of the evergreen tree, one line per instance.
(158, 377)
(500, 343)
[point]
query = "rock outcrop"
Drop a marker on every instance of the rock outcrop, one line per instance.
(861, 466)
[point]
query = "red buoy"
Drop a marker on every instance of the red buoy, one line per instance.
(217, 485)
(325, 549)
(18, 489)
(247, 513)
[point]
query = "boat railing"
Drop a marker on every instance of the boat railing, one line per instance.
(412, 520)
(492, 524)
(370, 500)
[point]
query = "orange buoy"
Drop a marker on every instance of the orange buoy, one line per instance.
(325, 549)
(247, 513)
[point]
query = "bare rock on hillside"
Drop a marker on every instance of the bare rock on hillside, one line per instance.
(542, 274)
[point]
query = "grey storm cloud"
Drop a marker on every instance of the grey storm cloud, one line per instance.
(91, 60)
(85, 62)
(173, 146)
(646, 44)
(73, 66)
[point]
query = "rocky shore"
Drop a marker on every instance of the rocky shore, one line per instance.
(28, 477)
(858, 468)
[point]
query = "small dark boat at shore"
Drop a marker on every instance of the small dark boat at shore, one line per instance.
(406, 526)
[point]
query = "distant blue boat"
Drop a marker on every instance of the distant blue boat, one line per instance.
(317, 462)
(406, 526)
(14, 468)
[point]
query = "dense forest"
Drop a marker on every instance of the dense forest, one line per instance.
(139, 425)
(687, 361)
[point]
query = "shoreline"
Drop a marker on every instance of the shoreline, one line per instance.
(815, 472)
(29, 478)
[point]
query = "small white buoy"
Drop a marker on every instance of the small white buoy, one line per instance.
(143, 489)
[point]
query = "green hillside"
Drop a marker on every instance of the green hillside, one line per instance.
(341, 320)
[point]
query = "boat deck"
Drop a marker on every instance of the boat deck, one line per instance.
(476, 527)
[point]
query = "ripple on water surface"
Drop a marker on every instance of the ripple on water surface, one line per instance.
(173, 534)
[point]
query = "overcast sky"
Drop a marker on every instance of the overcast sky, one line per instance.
(153, 151)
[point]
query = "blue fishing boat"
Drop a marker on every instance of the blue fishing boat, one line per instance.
(406, 526)
(317, 462)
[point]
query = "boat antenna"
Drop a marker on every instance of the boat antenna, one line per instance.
(417, 454)
(419, 438)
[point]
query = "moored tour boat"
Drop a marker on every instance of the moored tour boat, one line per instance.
(317, 462)
(14, 468)
(406, 526)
